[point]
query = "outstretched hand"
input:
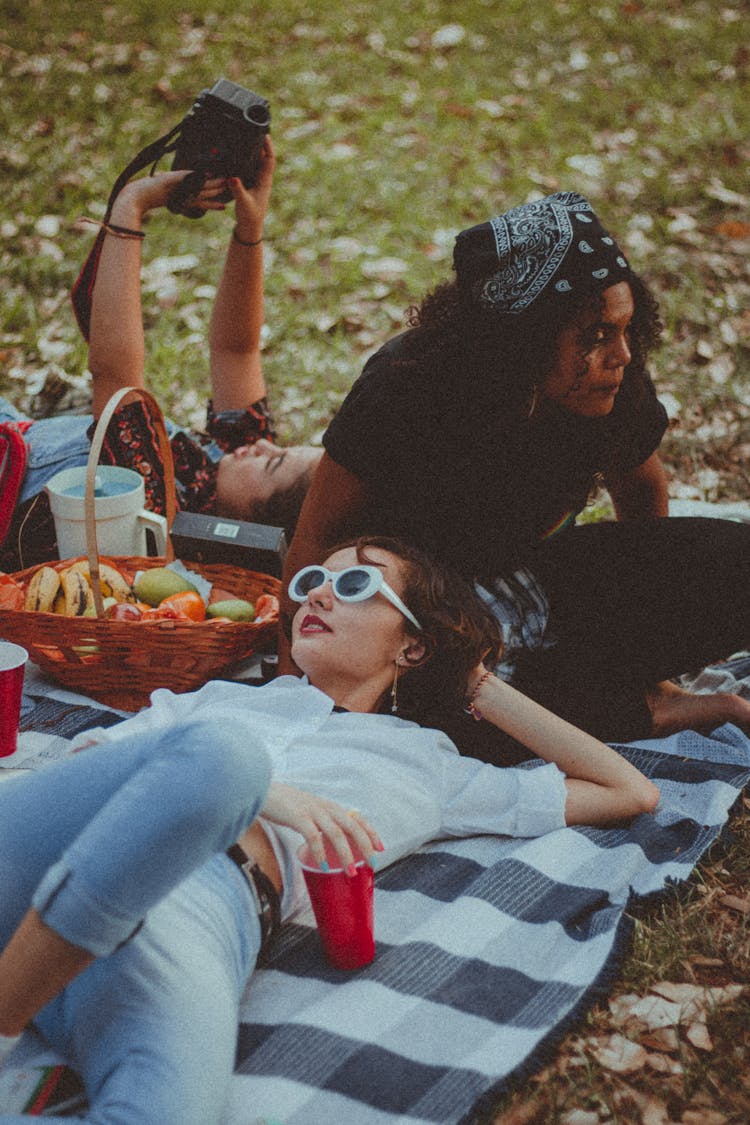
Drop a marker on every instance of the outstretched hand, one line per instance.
(147, 193)
(251, 203)
(319, 819)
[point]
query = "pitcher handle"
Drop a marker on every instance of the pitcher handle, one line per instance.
(158, 526)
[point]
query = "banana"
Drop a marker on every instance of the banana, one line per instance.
(111, 582)
(80, 567)
(40, 595)
(114, 585)
(78, 596)
(69, 591)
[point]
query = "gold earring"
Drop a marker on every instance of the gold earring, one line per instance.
(394, 688)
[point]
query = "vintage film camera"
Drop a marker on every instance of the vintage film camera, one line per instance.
(223, 135)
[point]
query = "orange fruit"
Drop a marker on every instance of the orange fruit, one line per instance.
(187, 604)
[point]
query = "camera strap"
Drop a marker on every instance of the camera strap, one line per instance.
(82, 292)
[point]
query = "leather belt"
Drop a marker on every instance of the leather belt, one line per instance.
(265, 895)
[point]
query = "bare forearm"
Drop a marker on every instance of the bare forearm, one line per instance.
(117, 347)
(237, 316)
(602, 785)
(236, 324)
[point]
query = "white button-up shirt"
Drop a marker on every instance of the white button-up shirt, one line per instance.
(408, 781)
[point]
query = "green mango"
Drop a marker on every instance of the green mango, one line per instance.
(236, 609)
(154, 585)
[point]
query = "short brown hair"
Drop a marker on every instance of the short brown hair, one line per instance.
(458, 630)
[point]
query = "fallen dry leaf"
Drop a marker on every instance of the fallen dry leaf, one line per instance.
(661, 1039)
(620, 1055)
(663, 1064)
(734, 229)
(703, 1116)
(654, 1112)
(733, 902)
(695, 998)
(580, 1117)
(653, 1011)
(698, 1035)
(524, 1114)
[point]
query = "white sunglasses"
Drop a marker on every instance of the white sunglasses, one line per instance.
(353, 584)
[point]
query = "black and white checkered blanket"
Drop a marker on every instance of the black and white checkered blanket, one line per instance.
(487, 949)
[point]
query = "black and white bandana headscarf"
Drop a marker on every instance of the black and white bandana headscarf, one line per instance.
(549, 248)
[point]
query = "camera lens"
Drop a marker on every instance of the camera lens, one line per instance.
(257, 115)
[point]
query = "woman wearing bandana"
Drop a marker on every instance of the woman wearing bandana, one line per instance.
(480, 434)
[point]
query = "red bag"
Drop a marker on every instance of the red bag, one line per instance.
(13, 454)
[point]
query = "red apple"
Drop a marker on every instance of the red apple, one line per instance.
(124, 611)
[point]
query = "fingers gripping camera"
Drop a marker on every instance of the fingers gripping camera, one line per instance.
(221, 135)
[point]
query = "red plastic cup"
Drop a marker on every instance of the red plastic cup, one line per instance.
(12, 667)
(343, 908)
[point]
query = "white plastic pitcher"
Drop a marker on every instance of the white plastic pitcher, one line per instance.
(121, 518)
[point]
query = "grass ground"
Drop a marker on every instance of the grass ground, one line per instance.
(396, 126)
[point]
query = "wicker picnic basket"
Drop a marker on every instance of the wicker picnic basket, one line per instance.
(120, 663)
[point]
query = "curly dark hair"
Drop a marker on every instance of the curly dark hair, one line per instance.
(458, 630)
(507, 357)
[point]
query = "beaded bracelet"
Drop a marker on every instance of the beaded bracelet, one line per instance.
(471, 707)
(242, 241)
(113, 228)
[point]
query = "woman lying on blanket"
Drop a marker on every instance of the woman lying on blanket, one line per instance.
(234, 468)
(114, 861)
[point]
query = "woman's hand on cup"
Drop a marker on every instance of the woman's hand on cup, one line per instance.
(319, 819)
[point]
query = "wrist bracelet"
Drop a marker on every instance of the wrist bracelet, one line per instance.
(471, 707)
(113, 228)
(242, 241)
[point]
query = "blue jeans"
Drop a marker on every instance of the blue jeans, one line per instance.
(61, 442)
(117, 834)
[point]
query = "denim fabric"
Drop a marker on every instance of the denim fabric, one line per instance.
(55, 444)
(115, 834)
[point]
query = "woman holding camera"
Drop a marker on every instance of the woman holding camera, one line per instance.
(115, 885)
(234, 468)
(479, 435)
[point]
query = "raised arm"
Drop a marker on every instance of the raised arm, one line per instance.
(237, 318)
(116, 342)
(601, 786)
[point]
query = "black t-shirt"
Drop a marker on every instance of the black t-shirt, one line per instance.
(447, 469)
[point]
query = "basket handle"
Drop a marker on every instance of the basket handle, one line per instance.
(96, 447)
